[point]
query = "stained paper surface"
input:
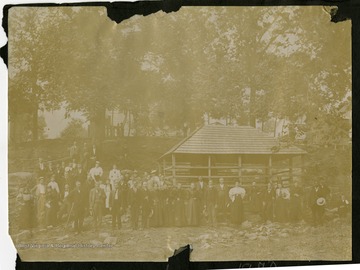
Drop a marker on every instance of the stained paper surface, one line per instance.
(227, 128)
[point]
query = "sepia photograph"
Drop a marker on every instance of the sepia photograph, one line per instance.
(226, 128)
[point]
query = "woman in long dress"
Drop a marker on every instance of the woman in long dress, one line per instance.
(27, 210)
(52, 207)
(193, 206)
(282, 203)
(296, 202)
(237, 195)
(156, 219)
(179, 206)
(107, 189)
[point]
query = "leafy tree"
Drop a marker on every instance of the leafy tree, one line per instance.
(266, 65)
(74, 129)
(32, 66)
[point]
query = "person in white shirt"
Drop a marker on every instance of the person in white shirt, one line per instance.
(69, 168)
(114, 176)
(236, 191)
(154, 180)
(53, 185)
(96, 172)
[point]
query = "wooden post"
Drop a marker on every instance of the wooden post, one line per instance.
(209, 167)
(164, 166)
(239, 165)
(290, 168)
(173, 165)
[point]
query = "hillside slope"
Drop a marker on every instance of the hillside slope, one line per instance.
(140, 153)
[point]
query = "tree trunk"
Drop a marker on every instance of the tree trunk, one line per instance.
(98, 124)
(35, 124)
(275, 127)
(252, 120)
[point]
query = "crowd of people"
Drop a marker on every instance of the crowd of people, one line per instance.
(68, 193)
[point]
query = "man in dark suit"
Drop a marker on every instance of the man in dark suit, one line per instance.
(221, 200)
(94, 154)
(97, 204)
(210, 200)
(268, 199)
(76, 197)
(201, 188)
(80, 174)
(116, 207)
(50, 170)
(41, 169)
(59, 176)
(146, 205)
(134, 195)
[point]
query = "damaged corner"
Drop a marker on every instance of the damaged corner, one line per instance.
(4, 49)
(339, 13)
(181, 259)
(119, 11)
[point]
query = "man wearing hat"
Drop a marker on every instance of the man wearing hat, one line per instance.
(77, 200)
(317, 203)
(134, 203)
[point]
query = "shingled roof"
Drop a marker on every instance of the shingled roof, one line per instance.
(219, 139)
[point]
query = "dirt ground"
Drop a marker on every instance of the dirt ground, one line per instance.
(253, 240)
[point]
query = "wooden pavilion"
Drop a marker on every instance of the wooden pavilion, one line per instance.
(232, 152)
